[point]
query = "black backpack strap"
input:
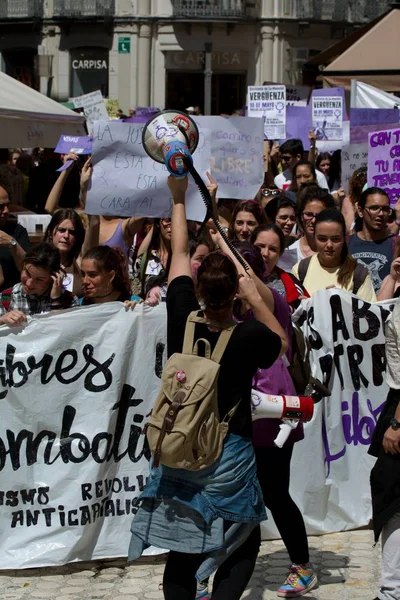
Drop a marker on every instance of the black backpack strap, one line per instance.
(303, 268)
(359, 276)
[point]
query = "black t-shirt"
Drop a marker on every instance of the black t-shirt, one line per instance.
(11, 273)
(252, 346)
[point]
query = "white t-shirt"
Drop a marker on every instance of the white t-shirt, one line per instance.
(284, 179)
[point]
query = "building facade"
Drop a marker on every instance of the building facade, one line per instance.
(170, 53)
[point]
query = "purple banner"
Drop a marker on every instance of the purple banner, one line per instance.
(374, 116)
(146, 111)
(77, 144)
(359, 134)
(384, 162)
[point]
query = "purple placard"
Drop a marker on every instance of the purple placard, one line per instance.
(298, 124)
(146, 111)
(78, 144)
(374, 116)
(136, 119)
(359, 134)
(384, 162)
(333, 92)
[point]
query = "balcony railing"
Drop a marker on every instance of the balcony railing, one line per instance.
(21, 9)
(84, 8)
(352, 11)
(213, 9)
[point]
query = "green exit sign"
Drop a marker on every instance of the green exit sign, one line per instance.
(124, 45)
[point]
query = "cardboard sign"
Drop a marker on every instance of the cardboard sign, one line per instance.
(384, 162)
(354, 156)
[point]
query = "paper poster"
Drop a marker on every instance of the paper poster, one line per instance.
(94, 108)
(327, 117)
(354, 156)
(126, 182)
(384, 162)
(269, 101)
(236, 154)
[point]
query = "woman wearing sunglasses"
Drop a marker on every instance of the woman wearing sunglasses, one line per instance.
(312, 201)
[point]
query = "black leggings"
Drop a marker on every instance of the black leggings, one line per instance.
(230, 580)
(273, 470)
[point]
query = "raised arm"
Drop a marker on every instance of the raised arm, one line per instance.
(54, 197)
(180, 259)
(86, 175)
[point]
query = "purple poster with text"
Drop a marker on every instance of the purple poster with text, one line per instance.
(384, 162)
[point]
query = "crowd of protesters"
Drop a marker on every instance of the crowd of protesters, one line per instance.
(300, 234)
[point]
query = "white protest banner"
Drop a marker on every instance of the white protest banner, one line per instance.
(353, 157)
(327, 117)
(330, 468)
(127, 182)
(237, 147)
(384, 162)
(93, 106)
(297, 95)
(269, 101)
(75, 391)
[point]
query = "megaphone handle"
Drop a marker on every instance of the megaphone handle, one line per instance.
(205, 194)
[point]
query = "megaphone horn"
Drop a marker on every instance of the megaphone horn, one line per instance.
(168, 137)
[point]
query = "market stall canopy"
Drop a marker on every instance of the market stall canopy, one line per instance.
(29, 119)
(372, 59)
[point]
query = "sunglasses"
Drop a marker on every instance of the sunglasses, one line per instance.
(268, 192)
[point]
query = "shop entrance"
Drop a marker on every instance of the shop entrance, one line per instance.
(19, 64)
(187, 89)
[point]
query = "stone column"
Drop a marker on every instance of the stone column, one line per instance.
(267, 41)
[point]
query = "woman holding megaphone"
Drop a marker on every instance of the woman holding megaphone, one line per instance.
(209, 518)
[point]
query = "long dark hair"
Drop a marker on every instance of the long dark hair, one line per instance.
(358, 223)
(59, 216)
(217, 280)
(154, 244)
(347, 262)
(249, 206)
(112, 259)
(269, 227)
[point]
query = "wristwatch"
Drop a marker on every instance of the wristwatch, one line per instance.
(13, 242)
(394, 423)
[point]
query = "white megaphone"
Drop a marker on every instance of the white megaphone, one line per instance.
(170, 137)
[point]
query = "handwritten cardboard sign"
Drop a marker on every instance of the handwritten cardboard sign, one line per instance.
(127, 182)
(237, 146)
(354, 156)
(93, 106)
(384, 162)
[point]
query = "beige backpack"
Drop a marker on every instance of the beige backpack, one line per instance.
(184, 430)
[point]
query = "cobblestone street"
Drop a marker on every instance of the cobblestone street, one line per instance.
(347, 566)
